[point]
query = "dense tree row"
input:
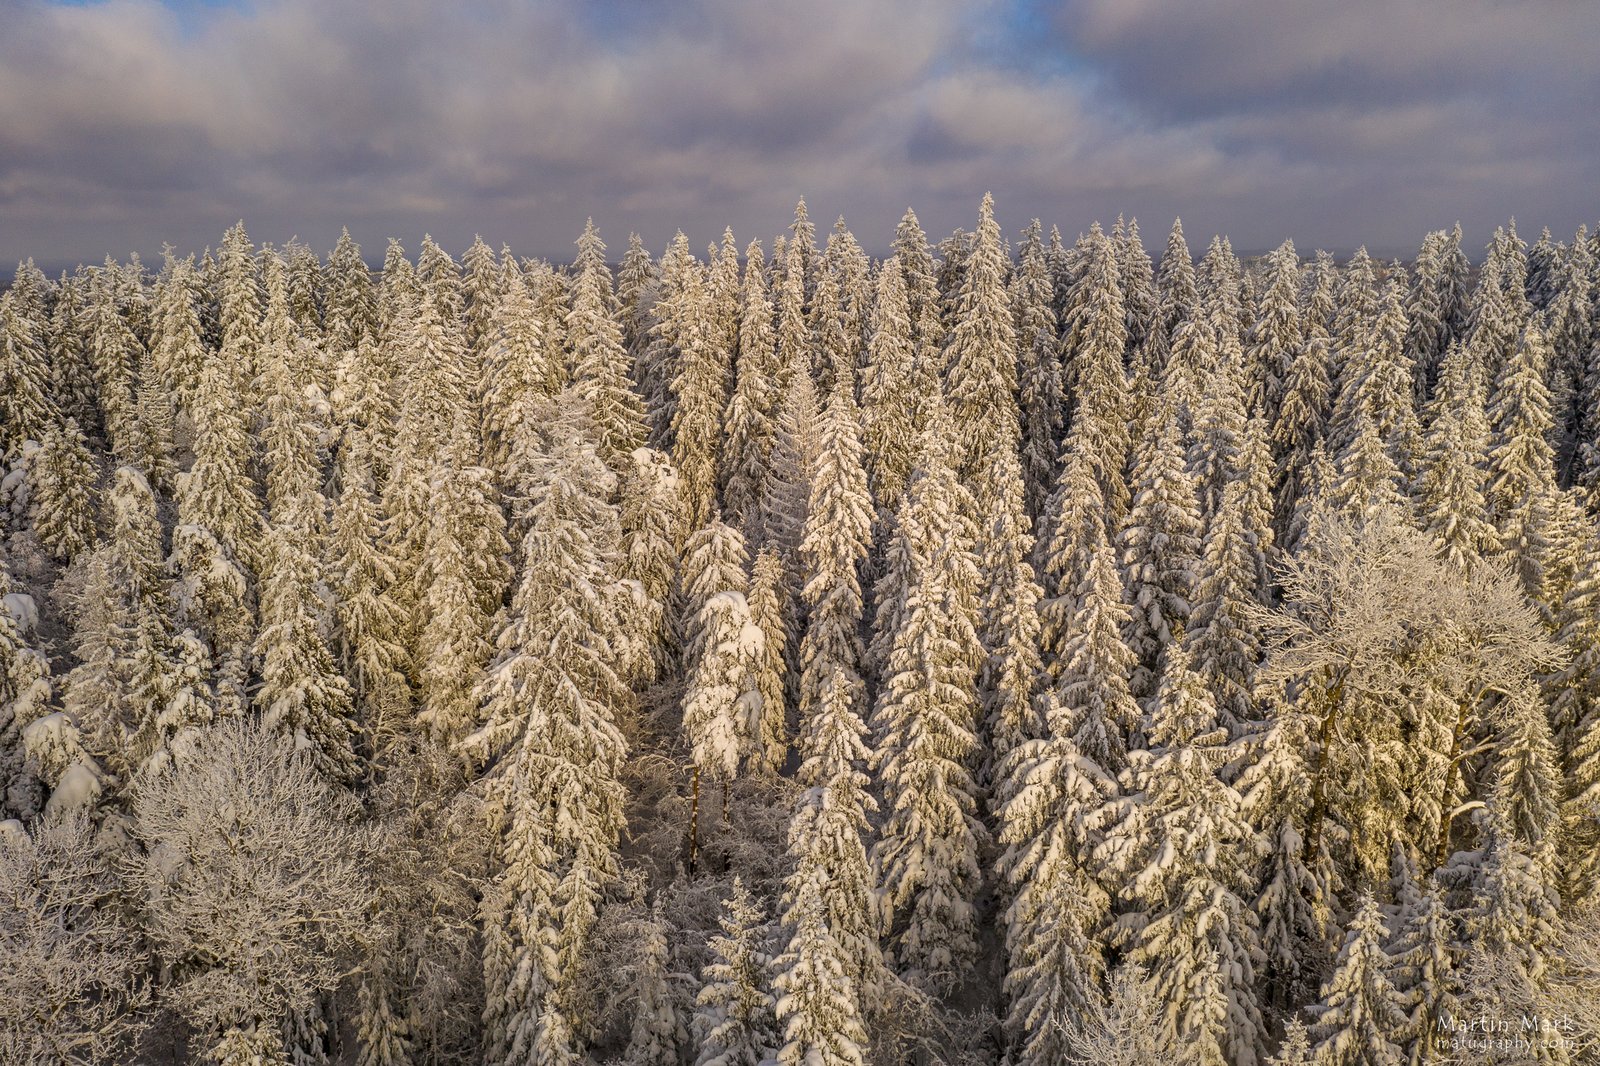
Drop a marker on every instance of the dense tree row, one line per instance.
(1043, 654)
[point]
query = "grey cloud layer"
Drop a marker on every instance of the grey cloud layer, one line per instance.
(123, 126)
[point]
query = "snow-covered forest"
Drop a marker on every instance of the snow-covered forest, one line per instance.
(1017, 649)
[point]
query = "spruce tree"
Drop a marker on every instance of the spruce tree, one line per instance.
(367, 630)
(25, 693)
(26, 407)
(1521, 461)
(734, 1023)
(62, 492)
(1450, 488)
(723, 708)
(926, 719)
(1008, 616)
(889, 404)
(1159, 544)
(981, 379)
(548, 732)
(71, 373)
(302, 695)
(818, 1005)
(751, 416)
(216, 491)
(700, 398)
(1093, 348)
(1361, 1015)
(1303, 411)
(1188, 853)
(1047, 796)
(465, 577)
(600, 362)
(1422, 968)
(1040, 389)
(769, 611)
(521, 374)
(351, 311)
(113, 351)
(1222, 637)
(657, 1032)
(715, 560)
(1177, 299)
(826, 834)
(1275, 340)
(1087, 663)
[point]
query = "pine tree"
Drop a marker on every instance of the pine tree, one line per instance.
(1189, 853)
(926, 857)
(982, 354)
(62, 493)
(734, 1023)
(550, 701)
(784, 497)
(1361, 1014)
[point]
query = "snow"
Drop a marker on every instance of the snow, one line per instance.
(22, 608)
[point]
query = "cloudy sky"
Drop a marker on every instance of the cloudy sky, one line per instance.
(128, 123)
